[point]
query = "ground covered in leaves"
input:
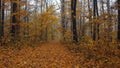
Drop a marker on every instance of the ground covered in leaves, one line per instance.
(56, 55)
(52, 55)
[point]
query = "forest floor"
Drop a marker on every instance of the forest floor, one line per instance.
(57, 55)
(52, 55)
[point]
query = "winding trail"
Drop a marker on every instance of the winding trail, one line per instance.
(50, 55)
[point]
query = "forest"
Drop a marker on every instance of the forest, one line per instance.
(59, 33)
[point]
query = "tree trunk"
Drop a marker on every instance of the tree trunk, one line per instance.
(73, 16)
(119, 20)
(1, 18)
(90, 19)
(63, 18)
(96, 25)
(46, 33)
(15, 20)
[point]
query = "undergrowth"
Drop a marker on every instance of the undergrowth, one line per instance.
(97, 54)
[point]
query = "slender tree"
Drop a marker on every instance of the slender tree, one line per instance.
(26, 18)
(41, 8)
(63, 17)
(1, 18)
(119, 20)
(73, 16)
(15, 19)
(96, 25)
(0, 21)
(46, 4)
(90, 19)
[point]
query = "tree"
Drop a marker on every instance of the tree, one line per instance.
(1, 18)
(109, 21)
(73, 16)
(119, 20)
(46, 4)
(90, 19)
(15, 18)
(63, 17)
(96, 25)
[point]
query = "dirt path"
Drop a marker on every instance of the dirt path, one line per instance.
(52, 55)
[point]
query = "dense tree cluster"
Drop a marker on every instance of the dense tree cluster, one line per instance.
(95, 19)
(21, 20)
(38, 20)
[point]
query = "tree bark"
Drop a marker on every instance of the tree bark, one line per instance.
(73, 16)
(96, 25)
(63, 18)
(15, 19)
(1, 18)
(119, 20)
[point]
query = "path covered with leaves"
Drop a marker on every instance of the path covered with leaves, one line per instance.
(52, 55)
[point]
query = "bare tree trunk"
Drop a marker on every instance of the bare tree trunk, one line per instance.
(73, 16)
(109, 21)
(63, 18)
(96, 25)
(26, 18)
(90, 19)
(41, 34)
(118, 20)
(15, 20)
(46, 34)
(1, 18)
